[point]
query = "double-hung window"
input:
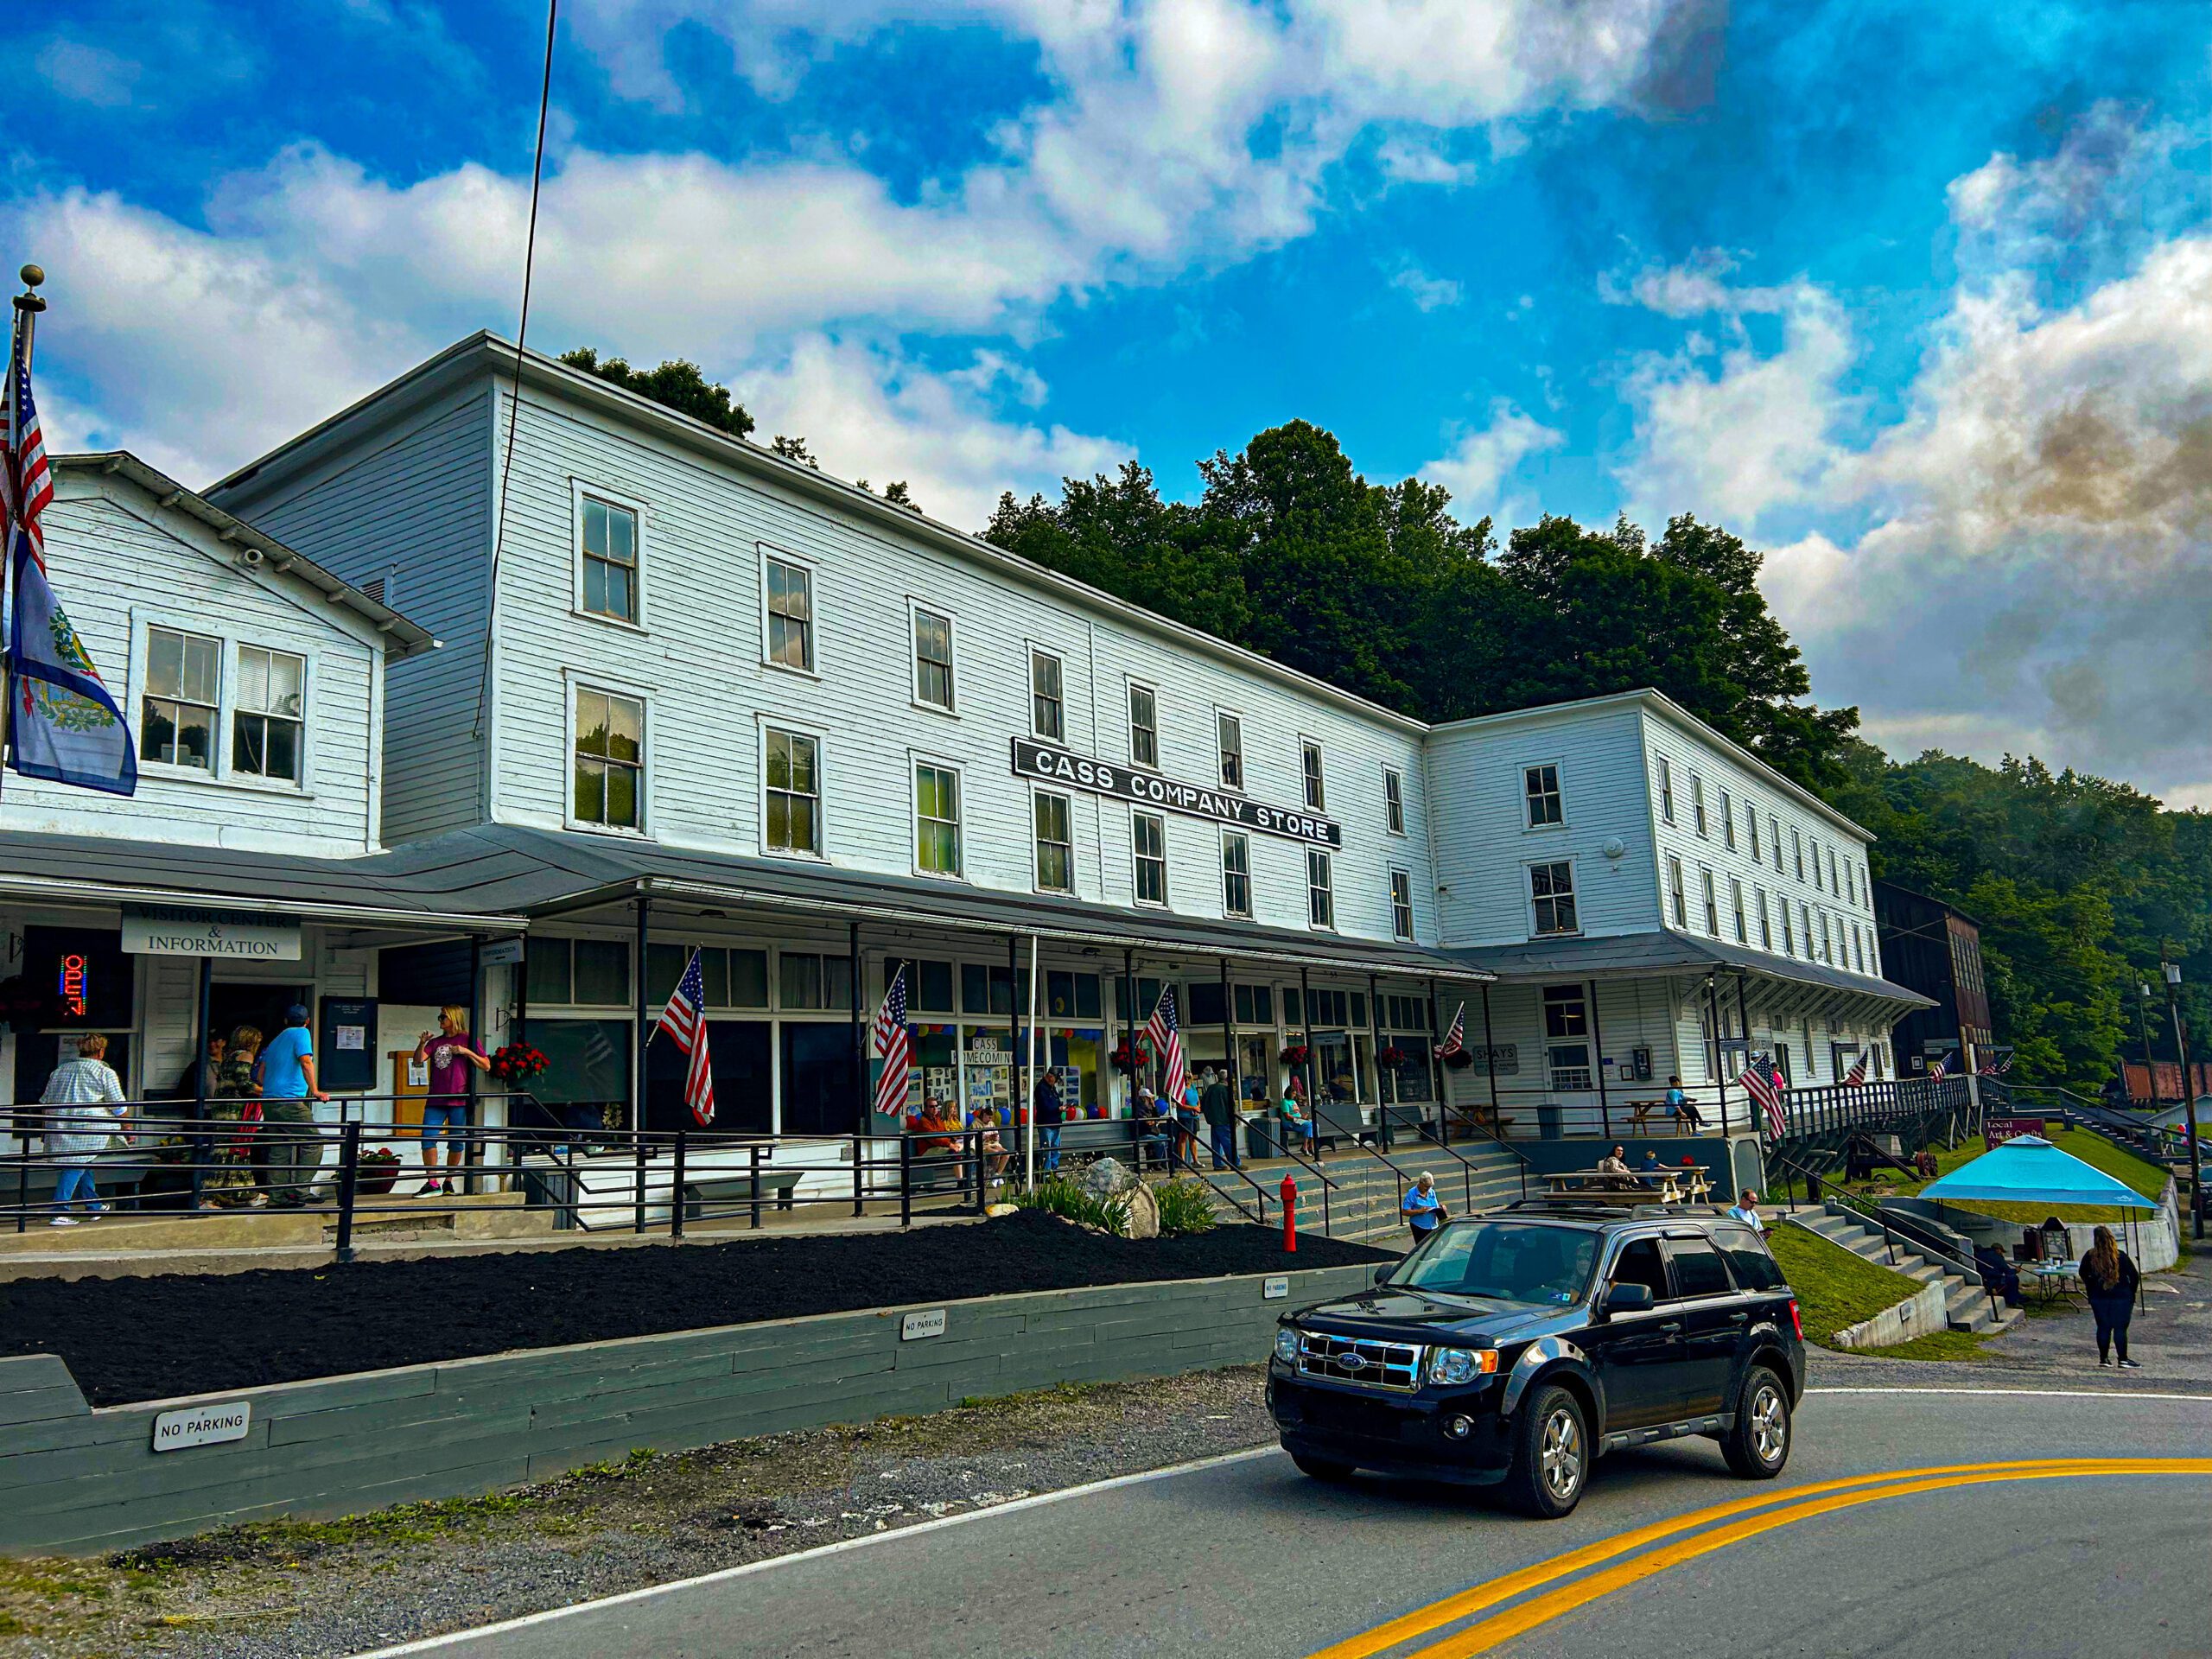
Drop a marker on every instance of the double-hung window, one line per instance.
(1797, 851)
(794, 792)
(1055, 843)
(1736, 909)
(1309, 763)
(1148, 843)
(1827, 944)
(1666, 791)
(1774, 835)
(1401, 905)
(1144, 727)
(791, 615)
(1697, 805)
(1047, 705)
(933, 660)
(1728, 820)
(1551, 898)
(1835, 889)
(1235, 873)
(271, 715)
(610, 760)
(1394, 800)
(1805, 920)
(1540, 788)
(1228, 736)
(1766, 925)
(610, 556)
(937, 819)
(1789, 934)
(1320, 891)
(1677, 904)
(1752, 823)
(1712, 901)
(184, 685)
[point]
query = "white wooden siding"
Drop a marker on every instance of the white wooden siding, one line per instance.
(120, 564)
(412, 505)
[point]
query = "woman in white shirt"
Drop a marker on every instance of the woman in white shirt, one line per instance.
(91, 1098)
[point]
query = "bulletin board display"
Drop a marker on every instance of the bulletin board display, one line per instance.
(345, 1047)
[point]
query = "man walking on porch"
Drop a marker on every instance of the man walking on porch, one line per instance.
(1220, 1108)
(288, 1149)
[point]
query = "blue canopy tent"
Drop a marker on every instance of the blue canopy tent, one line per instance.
(2029, 1170)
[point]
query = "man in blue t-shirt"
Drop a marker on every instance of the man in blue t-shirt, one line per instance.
(1423, 1211)
(286, 1157)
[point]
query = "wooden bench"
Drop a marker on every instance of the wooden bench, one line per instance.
(720, 1189)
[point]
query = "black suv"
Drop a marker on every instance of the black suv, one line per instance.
(1518, 1345)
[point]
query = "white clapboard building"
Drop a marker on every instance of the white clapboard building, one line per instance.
(693, 696)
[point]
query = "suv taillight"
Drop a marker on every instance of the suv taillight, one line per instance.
(1797, 1318)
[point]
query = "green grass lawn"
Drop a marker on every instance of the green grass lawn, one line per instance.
(1834, 1287)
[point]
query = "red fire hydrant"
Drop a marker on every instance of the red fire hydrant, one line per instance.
(1290, 1215)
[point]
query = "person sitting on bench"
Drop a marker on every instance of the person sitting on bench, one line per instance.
(1682, 1107)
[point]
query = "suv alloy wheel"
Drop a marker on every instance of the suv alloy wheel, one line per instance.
(1759, 1445)
(1551, 1454)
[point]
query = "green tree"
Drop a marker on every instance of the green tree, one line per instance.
(677, 384)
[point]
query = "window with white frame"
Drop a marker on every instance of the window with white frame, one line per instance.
(1835, 889)
(1320, 889)
(1828, 945)
(1677, 901)
(1054, 816)
(1148, 843)
(1047, 705)
(1144, 727)
(1805, 924)
(794, 792)
(1665, 791)
(610, 560)
(1711, 896)
(932, 658)
(1235, 873)
(1766, 926)
(1797, 850)
(1540, 788)
(610, 760)
(269, 718)
(1859, 946)
(1401, 905)
(936, 818)
(1736, 909)
(1728, 820)
(184, 686)
(1774, 836)
(1697, 805)
(1309, 764)
(1393, 801)
(1228, 742)
(1789, 934)
(1752, 823)
(791, 615)
(1550, 898)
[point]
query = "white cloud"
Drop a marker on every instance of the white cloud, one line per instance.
(1427, 293)
(1480, 461)
(867, 413)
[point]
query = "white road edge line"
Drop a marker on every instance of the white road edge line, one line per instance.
(1035, 1500)
(2035, 1394)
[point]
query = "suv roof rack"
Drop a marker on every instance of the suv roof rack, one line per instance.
(1609, 1206)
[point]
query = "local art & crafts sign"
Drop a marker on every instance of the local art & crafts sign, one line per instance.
(1049, 764)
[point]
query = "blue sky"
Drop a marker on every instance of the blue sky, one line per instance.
(1918, 298)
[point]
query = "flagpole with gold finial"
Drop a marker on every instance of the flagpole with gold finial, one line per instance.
(28, 305)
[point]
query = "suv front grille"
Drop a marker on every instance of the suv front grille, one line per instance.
(1360, 1361)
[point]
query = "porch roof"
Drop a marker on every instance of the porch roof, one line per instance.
(1662, 952)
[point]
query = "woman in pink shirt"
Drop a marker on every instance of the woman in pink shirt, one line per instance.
(448, 1055)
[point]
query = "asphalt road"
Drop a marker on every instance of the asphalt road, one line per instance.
(1244, 1557)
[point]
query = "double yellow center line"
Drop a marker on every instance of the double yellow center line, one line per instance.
(1682, 1538)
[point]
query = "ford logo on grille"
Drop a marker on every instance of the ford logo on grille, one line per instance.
(1352, 1362)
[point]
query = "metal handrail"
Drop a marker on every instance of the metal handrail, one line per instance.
(1422, 1129)
(1917, 1239)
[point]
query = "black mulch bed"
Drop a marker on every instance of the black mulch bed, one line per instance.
(151, 1338)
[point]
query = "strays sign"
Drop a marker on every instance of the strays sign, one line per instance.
(1049, 764)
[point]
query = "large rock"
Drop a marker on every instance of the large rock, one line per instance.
(1144, 1213)
(1104, 1177)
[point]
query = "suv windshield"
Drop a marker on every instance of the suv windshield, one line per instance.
(1505, 1261)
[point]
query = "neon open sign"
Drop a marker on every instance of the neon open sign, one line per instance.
(76, 984)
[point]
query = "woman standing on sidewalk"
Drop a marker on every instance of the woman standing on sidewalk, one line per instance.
(88, 1084)
(2110, 1279)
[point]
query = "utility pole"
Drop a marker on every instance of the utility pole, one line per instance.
(2172, 971)
(2143, 1030)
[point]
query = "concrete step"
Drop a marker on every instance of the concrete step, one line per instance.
(1967, 1305)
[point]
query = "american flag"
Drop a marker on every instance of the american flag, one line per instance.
(26, 481)
(1936, 1071)
(1167, 1043)
(1994, 1064)
(1455, 1038)
(1758, 1082)
(684, 1019)
(894, 1046)
(1857, 1074)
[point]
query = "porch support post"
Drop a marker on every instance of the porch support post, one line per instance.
(473, 1150)
(1229, 1033)
(1023, 1127)
(1720, 1047)
(200, 1144)
(1374, 1052)
(863, 1099)
(637, 1044)
(1131, 1024)
(1436, 1060)
(1744, 1013)
(1597, 1055)
(1490, 1063)
(1306, 1018)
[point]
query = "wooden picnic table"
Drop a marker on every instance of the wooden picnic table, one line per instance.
(1668, 1186)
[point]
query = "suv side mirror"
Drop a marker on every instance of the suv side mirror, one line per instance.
(1628, 1299)
(1382, 1274)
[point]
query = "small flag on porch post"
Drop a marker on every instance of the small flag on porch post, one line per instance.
(66, 727)
(1167, 1043)
(894, 1046)
(1935, 1073)
(1857, 1074)
(684, 1019)
(1456, 1038)
(1759, 1084)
